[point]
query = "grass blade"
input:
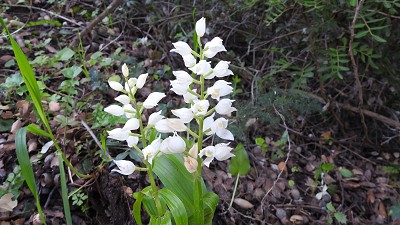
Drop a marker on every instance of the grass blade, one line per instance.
(26, 167)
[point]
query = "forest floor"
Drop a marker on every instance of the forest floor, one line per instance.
(284, 185)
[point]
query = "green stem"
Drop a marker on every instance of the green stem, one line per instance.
(154, 189)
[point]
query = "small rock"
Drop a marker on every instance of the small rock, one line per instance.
(295, 194)
(297, 219)
(243, 203)
(281, 213)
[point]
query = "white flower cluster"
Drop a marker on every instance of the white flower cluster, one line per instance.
(201, 109)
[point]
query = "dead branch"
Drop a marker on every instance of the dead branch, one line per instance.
(96, 21)
(348, 107)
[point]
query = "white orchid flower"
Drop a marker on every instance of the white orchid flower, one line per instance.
(200, 107)
(125, 167)
(189, 60)
(180, 88)
(185, 114)
(220, 70)
(173, 144)
(170, 125)
(189, 97)
(201, 27)
(219, 128)
(141, 80)
(213, 47)
(152, 150)
(220, 152)
(224, 107)
(154, 118)
(207, 123)
(115, 85)
(131, 124)
(183, 77)
(153, 99)
(182, 48)
(190, 161)
(219, 89)
(201, 68)
(115, 110)
(124, 99)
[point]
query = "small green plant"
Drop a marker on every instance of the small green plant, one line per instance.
(13, 182)
(261, 142)
(78, 198)
(334, 214)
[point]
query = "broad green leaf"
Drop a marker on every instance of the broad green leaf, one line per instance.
(25, 164)
(175, 205)
(36, 130)
(240, 164)
(176, 178)
(340, 217)
(65, 54)
(361, 34)
(166, 219)
(210, 201)
(378, 39)
(345, 172)
(71, 72)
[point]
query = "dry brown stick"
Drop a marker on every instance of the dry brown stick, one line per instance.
(348, 107)
(96, 21)
(355, 67)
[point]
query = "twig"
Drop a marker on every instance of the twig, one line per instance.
(43, 10)
(371, 114)
(98, 19)
(94, 137)
(355, 67)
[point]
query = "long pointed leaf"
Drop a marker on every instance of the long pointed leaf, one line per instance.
(64, 190)
(26, 167)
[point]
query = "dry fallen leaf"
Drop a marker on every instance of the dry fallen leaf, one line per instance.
(243, 203)
(6, 203)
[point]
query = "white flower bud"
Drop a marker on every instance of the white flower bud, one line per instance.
(125, 167)
(201, 27)
(224, 107)
(115, 85)
(174, 144)
(125, 70)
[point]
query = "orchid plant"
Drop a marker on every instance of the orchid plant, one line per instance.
(206, 105)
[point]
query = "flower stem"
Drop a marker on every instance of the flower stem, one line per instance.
(154, 189)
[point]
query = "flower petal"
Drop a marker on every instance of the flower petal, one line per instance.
(125, 167)
(114, 110)
(153, 99)
(124, 99)
(115, 85)
(201, 27)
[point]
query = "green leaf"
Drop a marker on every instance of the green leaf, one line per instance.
(65, 54)
(36, 130)
(240, 164)
(327, 167)
(361, 34)
(210, 201)
(175, 205)
(359, 25)
(28, 76)
(176, 178)
(330, 207)
(25, 164)
(71, 72)
(378, 39)
(340, 217)
(64, 190)
(345, 172)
